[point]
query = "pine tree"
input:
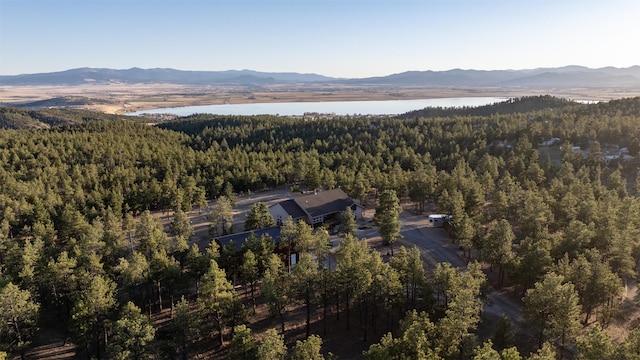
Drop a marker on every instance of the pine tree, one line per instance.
(150, 235)
(242, 345)
(503, 334)
(250, 273)
(18, 317)
(304, 276)
(184, 327)
(386, 217)
(222, 217)
(497, 245)
(552, 306)
(217, 297)
(91, 310)
(276, 287)
(595, 344)
(272, 346)
(258, 217)
(308, 349)
(132, 334)
(181, 226)
(348, 223)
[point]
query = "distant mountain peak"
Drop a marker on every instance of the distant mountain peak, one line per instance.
(565, 76)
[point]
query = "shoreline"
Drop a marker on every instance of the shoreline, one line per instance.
(127, 98)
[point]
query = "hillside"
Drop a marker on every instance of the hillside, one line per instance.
(13, 118)
(511, 106)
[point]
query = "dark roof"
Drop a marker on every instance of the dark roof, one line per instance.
(239, 238)
(292, 208)
(324, 202)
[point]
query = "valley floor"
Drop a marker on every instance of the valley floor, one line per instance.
(125, 98)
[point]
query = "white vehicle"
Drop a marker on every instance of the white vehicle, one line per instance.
(438, 220)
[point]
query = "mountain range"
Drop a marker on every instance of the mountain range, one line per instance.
(561, 77)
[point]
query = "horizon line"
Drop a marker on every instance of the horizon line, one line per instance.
(319, 74)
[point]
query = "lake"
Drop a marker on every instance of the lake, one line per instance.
(378, 107)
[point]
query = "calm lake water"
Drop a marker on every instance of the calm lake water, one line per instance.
(382, 107)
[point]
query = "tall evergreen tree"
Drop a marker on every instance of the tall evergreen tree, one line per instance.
(304, 276)
(308, 349)
(18, 318)
(150, 235)
(595, 344)
(91, 311)
(497, 247)
(250, 273)
(222, 217)
(552, 307)
(258, 217)
(348, 223)
(181, 225)
(387, 213)
(184, 328)
(272, 346)
(132, 334)
(276, 288)
(217, 298)
(242, 346)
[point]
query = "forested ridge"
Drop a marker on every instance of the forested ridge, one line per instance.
(14, 118)
(560, 224)
(510, 106)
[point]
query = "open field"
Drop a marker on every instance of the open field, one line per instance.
(123, 98)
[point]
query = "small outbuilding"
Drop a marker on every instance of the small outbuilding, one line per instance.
(438, 220)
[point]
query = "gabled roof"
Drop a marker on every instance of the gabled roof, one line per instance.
(293, 209)
(239, 238)
(324, 202)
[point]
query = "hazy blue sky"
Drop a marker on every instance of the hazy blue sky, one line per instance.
(342, 38)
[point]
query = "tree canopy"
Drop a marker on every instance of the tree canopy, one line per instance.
(81, 235)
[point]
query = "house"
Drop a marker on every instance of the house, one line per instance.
(550, 142)
(317, 208)
(274, 232)
(500, 144)
(239, 238)
(287, 208)
(608, 159)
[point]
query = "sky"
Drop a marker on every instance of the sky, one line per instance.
(339, 38)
